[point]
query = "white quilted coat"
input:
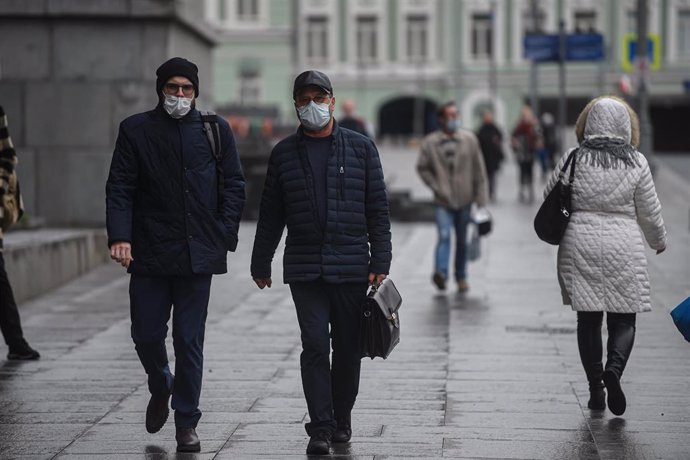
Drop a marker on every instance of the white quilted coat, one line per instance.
(601, 260)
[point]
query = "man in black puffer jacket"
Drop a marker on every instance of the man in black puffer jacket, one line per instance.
(325, 184)
(173, 212)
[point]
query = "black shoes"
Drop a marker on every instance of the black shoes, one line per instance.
(439, 280)
(597, 397)
(187, 440)
(22, 351)
(616, 397)
(343, 432)
(319, 444)
(157, 412)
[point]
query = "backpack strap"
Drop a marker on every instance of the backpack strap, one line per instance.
(210, 121)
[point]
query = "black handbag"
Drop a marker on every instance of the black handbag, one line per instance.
(380, 324)
(554, 213)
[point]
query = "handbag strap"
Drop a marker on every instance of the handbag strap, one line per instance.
(569, 162)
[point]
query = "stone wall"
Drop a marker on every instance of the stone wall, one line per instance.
(70, 71)
(39, 261)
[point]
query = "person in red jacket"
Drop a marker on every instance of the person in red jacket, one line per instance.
(525, 140)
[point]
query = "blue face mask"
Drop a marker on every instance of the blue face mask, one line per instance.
(313, 116)
(452, 125)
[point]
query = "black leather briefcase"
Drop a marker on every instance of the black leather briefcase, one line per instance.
(380, 324)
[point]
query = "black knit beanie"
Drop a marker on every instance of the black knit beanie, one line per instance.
(177, 67)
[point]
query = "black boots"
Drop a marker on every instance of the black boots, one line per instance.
(616, 399)
(187, 440)
(590, 347)
(597, 397)
(343, 431)
(621, 328)
(621, 339)
(157, 412)
(319, 444)
(21, 350)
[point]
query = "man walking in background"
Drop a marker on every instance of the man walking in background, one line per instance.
(173, 212)
(349, 120)
(451, 165)
(10, 212)
(325, 184)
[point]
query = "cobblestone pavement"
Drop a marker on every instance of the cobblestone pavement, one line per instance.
(491, 374)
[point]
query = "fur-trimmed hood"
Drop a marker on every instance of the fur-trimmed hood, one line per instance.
(584, 130)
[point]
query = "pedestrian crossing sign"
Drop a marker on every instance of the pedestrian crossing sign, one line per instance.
(629, 49)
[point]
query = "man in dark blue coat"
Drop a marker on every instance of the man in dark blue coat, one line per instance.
(173, 209)
(325, 184)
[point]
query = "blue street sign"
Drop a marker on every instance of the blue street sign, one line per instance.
(578, 47)
(584, 47)
(686, 84)
(630, 51)
(540, 47)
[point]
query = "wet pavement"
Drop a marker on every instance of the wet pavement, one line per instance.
(494, 373)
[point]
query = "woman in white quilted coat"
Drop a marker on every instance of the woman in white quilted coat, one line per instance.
(602, 265)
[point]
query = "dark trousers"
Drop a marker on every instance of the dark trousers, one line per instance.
(151, 300)
(330, 390)
(621, 328)
(10, 325)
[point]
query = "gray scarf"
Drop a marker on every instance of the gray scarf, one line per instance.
(608, 153)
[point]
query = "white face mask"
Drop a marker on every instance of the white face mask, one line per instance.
(177, 107)
(313, 116)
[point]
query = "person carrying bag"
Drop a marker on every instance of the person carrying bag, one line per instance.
(602, 265)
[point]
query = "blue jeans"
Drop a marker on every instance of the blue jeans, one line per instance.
(151, 300)
(446, 219)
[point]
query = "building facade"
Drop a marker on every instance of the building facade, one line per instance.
(70, 71)
(398, 59)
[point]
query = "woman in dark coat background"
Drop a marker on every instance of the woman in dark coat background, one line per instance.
(491, 143)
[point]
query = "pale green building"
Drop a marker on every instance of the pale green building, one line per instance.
(384, 54)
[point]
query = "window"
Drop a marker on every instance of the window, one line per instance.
(367, 39)
(683, 45)
(417, 38)
(317, 39)
(534, 21)
(248, 10)
(482, 34)
(249, 88)
(585, 22)
(631, 22)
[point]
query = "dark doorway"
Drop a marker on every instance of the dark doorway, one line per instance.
(670, 124)
(397, 116)
(573, 107)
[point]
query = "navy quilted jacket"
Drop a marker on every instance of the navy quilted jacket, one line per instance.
(162, 195)
(357, 237)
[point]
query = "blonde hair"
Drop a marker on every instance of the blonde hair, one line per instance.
(582, 120)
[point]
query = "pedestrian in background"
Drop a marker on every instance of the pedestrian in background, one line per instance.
(491, 142)
(349, 120)
(450, 163)
(602, 265)
(548, 145)
(10, 212)
(325, 184)
(172, 226)
(524, 140)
